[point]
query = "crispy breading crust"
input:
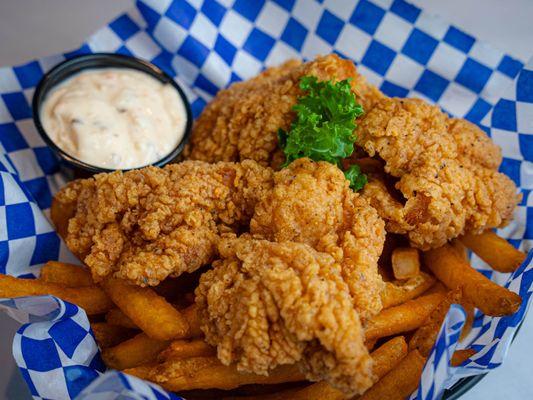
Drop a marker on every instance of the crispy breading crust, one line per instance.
(147, 224)
(266, 304)
(242, 121)
(312, 203)
(447, 170)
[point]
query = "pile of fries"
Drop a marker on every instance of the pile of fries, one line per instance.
(154, 333)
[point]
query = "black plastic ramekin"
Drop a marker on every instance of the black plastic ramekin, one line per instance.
(73, 66)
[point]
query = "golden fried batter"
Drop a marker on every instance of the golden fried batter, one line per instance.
(312, 203)
(147, 224)
(266, 304)
(242, 121)
(447, 170)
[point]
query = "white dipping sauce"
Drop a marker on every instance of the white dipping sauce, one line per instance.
(114, 118)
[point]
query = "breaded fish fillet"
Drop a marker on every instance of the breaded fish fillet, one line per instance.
(147, 224)
(312, 203)
(266, 304)
(447, 170)
(242, 121)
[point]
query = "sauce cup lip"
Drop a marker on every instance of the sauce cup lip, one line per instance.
(77, 64)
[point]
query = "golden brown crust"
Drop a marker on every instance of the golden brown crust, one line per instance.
(266, 304)
(447, 170)
(242, 121)
(145, 225)
(312, 203)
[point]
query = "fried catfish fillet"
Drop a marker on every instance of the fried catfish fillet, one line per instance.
(312, 203)
(266, 304)
(447, 171)
(145, 225)
(242, 121)
(300, 285)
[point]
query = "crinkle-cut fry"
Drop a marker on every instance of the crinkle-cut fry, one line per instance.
(187, 349)
(424, 337)
(138, 350)
(405, 262)
(385, 358)
(149, 311)
(460, 356)
(494, 250)
(107, 335)
(490, 298)
(191, 316)
(210, 373)
(400, 382)
(398, 292)
(91, 298)
(66, 274)
(403, 318)
(118, 318)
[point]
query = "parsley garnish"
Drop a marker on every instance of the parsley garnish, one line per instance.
(324, 127)
(357, 179)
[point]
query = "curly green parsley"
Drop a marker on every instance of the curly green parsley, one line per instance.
(324, 127)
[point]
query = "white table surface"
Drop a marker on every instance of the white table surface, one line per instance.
(34, 28)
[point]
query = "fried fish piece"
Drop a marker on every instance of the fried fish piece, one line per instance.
(312, 203)
(145, 225)
(242, 121)
(446, 170)
(266, 304)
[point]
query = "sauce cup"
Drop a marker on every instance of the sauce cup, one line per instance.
(73, 66)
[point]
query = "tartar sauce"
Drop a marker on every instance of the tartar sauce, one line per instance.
(114, 118)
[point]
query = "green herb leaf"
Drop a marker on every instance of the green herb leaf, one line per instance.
(324, 127)
(357, 179)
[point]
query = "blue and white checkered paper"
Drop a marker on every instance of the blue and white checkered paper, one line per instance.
(206, 45)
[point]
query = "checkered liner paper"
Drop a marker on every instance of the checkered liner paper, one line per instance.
(206, 45)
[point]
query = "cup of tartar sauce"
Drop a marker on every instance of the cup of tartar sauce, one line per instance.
(103, 112)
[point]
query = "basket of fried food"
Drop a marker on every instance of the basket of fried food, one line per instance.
(288, 257)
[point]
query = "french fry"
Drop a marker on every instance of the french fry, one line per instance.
(209, 373)
(276, 395)
(191, 316)
(107, 335)
(438, 287)
(91, 298)
(66, 274)
(424, 338)
(138, 350)
(470, 315)
(460, 356)
(402, 318)
(460, 249)
(495, 251)
(400, 382)
(454, 272)
(398, 292)
(385, 358)
(186, 349)
(388, 355)
(392, 241)
(405, 262)
(118, 318)
(149, 311)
